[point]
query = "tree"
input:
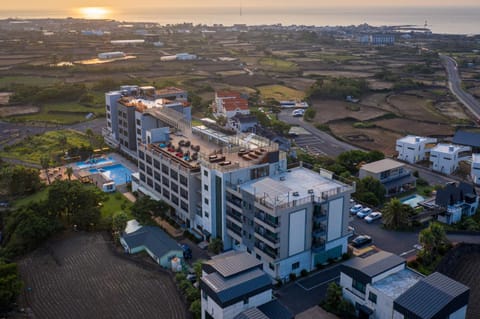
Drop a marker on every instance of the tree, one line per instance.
(333, 297)
(395, 214)
(45, 163)
(119, 221)
(196, 309)
(373, 186)
(62, 141)
(215, 246)
(90, 136)
(77, 203)
(10, 285)
(197, 268)
(143, 209)
(69, 172)
(20, 180)
(432, 239)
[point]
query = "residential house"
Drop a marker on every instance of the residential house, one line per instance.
(475, 169)
(456, 200)
(444, 158)
(232, 283)
(414, 149)
(381, 287)
(243, 123)
(468, 138)
(230, 103)
(392, 174)
(153, 240)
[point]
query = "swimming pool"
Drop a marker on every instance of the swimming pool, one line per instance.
(412, 200)
(118, 173)
(94, 162)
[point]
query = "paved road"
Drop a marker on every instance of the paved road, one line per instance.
(308, 292)
(317, 141)
(455, 85)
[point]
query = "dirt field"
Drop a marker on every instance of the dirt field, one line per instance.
(415, 107)
(17, 110)
(78, 276)
(371, 139)
(404, 126)
(4, 97)
(329, 110)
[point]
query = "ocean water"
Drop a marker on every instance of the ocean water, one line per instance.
(447, 20)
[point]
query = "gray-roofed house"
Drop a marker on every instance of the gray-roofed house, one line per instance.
(468, 138)
(271, 310)
(382, 287)
(392, 174)
(436, 296)
(232, 283)
(456, 200)
(155, 242)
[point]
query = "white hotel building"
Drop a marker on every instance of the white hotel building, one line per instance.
(233, 187)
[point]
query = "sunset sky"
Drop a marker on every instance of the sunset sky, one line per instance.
(123, 4)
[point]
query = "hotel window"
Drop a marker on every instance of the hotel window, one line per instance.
(174, 187)
(205, 200)
(173, 174)
(205, 187)
(296, 265)
(156, 163)
(205, 173)
(148, 158)
(149, 170)
(183, 180)
(372, 297)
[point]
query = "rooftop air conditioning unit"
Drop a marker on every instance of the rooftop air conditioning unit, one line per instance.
(295, 194)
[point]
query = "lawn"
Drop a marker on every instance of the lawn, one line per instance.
(280, 93)
(61, 113)
(6, 81)
(34, 147)
(38, 196)
(277, 65)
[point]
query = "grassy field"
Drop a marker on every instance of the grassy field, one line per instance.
(280, 93)
(277, 65)
(61, 113)
(33, 148)
(326, 57)
(27, 80)
(38, 196)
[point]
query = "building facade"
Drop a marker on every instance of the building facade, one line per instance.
(381, 287)
(230, 103)
(392, 174)
(444, 158)
(414, 149)
(475, 169)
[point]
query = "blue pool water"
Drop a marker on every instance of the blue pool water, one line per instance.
(94, 162)
(118, 173)
(412, 200)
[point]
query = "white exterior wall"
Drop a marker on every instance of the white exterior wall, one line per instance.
(397, 315)
(413, 152)
(230, 312)
(447, 161)
(284, 266)
(384, 305)
(335, 219)
(475, 171)
(230, 114)
(206, 208)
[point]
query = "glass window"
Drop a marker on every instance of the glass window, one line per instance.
(372, 297)
(358, 286)
(296, 265)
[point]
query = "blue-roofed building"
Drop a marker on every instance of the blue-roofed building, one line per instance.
(232, 283)
(382, 287)
(154, 241)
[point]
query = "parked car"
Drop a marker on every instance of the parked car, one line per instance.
(355, 209)
(192, 278)
(361, 240)
(373, 216)
(364, 212)
(187, 251)
(298, 113)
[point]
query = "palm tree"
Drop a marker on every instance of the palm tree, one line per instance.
(69, 172)
(395, 214)
(432, 238)
(45, 163)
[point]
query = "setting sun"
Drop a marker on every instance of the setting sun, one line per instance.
(94, 12)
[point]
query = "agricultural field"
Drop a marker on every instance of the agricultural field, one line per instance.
(277, 65)
(331, 110)
(57, 113)
(6, 81)
(34, 147)
(280, 93)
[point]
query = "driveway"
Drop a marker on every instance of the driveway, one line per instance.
(397, 242)
(307, 292)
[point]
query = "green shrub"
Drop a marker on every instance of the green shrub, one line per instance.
(304, 273)
(292, 276)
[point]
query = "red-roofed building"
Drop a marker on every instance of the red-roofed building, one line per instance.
(230, 103)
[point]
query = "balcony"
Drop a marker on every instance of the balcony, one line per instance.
(234, 214)
(264, 234)
(234, 228)
(273, 253)
(268, 219)
(319, 230)
(234, 200)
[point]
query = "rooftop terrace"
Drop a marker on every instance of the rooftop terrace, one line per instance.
(397, 283)
(295, 187)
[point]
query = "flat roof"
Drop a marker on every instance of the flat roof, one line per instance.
(448, 148)
(476, 158)
(397, 283)
(374, 264)
(382, 165)
(295, 184)
(412, 139)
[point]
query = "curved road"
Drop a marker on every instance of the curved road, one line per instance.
(455, 86)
